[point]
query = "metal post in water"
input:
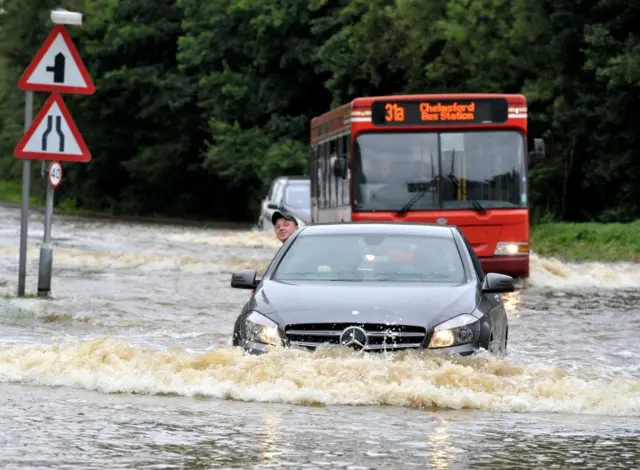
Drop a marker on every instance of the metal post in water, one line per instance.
(46, 251)
(26, 183)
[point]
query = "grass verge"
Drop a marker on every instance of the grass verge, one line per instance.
(587, 241)
(11, 191)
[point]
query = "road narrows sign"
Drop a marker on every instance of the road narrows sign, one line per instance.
(53, 135)
(57, 67)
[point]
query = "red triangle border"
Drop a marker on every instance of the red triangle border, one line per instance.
(62, 30)
(19, 151)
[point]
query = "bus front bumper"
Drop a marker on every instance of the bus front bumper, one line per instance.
(514, 266)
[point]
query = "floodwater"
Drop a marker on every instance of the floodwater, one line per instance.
(129, 366)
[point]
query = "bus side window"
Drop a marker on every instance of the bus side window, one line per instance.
(322, 190)
(343, 153)
(313, 174)
(329, 174)
(347, 155)
(336, 179)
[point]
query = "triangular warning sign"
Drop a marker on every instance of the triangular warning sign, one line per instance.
(57, 67)
(53, 135)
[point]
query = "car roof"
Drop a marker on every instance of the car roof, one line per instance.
(293, 179)
(386, 228)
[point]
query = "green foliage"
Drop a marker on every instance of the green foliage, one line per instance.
(588, 241)
(12, 192)
(200, 104)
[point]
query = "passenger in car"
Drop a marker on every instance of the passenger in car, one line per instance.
(284, 225)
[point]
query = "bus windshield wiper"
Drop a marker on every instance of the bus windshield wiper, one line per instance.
(477, 206)
(403, 210)
(421, 188)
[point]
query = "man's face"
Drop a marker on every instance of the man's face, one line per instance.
(284, 228)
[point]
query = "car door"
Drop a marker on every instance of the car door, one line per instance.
(497, 312)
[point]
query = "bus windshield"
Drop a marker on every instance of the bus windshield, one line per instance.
(447, 170)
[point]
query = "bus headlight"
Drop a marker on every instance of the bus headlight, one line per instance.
(511, 248)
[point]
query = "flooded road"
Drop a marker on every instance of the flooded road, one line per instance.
(129, 366)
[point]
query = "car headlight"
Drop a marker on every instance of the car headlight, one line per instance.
(260, 329)
(462, 329)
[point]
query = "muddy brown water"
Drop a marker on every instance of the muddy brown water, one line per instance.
(129, 366)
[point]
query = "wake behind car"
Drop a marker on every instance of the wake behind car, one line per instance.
(374, 287)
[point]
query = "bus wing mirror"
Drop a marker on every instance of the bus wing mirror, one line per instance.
(538, 151)
(340, 167)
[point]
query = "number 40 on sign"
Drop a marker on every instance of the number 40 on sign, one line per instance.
(55, 174)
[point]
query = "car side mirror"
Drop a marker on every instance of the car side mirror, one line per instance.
(497, 283)
(272, 205)
(245, 279)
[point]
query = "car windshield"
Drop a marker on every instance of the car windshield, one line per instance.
(298, 196)
(456, 170)
(372, 257)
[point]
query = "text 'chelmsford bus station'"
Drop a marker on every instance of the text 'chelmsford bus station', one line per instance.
(434, 112)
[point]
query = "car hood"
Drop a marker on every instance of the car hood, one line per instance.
(335, 302)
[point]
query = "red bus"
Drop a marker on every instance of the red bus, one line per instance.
(457, 159)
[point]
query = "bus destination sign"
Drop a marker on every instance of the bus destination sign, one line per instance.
(439, 112)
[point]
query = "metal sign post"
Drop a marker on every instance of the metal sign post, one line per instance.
(52, 135)
(26, 189)
(54, 171)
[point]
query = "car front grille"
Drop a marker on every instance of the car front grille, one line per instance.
(380, 337)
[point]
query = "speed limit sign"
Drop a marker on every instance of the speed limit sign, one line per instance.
(55, 174)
